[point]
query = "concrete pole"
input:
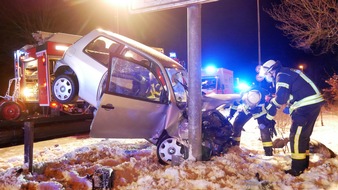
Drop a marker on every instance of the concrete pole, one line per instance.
(194, 70)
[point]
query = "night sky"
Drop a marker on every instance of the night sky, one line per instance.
(229, 36)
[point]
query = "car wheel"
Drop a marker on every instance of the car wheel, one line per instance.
(65, 89)
(10, 111)
(168, 147)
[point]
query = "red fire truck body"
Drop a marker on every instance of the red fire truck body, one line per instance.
(30, 89)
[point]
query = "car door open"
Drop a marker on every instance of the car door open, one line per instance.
(134, 103)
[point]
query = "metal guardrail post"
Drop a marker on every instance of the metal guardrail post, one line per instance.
(28, 147)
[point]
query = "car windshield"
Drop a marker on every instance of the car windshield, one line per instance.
(178, 80)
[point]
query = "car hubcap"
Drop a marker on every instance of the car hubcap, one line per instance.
(63, 89)
(168, 148)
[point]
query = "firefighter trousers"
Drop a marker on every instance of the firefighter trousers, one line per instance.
(240, 120)
(303, 121)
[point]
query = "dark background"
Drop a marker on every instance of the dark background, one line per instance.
(229, 35)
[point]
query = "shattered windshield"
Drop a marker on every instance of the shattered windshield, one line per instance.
(178, 79)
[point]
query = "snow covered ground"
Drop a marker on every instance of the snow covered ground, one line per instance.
(68, 163)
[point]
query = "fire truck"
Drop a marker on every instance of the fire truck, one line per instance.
(29, 92)
(217, 80)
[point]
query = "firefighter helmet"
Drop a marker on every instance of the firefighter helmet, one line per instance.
(252, 98)
(265, 69)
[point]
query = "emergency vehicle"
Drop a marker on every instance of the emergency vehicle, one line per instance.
(217, 81)
(29, 91)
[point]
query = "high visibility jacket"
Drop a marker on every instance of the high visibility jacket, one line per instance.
(295, 88)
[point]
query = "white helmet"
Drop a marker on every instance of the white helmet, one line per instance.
(266, 68)
(252, 98)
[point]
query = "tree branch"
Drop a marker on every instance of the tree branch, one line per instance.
(311, 25)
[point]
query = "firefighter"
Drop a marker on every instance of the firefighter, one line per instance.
(252, 105)
(304, 102)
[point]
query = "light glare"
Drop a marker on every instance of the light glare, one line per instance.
(120, 3)
(28, 92)
(61, 47)
(210, 69)
(243, 86)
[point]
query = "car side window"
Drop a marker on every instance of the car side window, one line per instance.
(131, 79)
(99, 49)
(128, 54)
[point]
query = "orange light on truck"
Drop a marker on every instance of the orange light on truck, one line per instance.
(54, 105)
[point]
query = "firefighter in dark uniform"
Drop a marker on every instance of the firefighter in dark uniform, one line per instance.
(252, 105)
(302, 96)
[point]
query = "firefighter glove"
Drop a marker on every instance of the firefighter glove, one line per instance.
(286, 110)
(231, 114)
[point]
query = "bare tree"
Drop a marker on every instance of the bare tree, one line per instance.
(312, 25)
(20, 18)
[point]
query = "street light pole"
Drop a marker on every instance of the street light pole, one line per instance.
(194, 82)
(117, 24)
(259, 32)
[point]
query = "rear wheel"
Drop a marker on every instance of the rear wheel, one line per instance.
(65, 89)
(10, 110)
(168, 147)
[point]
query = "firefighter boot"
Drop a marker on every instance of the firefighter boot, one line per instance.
(235, 143)
(297, 167)
(268, 151)
(307, 161)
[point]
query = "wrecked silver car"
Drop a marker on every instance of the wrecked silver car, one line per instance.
(138, 92)
(144, 95)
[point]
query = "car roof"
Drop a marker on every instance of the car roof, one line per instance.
(162, 58)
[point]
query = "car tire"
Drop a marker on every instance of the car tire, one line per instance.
(167, 147)
(65, 89)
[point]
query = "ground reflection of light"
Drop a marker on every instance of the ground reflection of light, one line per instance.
(315, 158)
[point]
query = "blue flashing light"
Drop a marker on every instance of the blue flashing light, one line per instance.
(210, 69)
(243, 87)
(172, 54)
